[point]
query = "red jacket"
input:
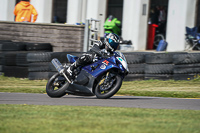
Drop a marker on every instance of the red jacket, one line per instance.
(23, 12)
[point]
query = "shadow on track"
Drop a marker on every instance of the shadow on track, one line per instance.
(112, 98)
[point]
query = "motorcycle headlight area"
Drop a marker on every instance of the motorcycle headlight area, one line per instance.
(121, 55)
(122, 60)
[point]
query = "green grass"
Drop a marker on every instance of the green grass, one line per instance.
(70, 119)
(170, 88)
(180, 89)
(62, 119)
(23, 85)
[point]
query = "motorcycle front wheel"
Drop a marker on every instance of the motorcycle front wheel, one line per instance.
(56, 88)
(106, 89)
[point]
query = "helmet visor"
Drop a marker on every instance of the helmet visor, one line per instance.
(113, 44)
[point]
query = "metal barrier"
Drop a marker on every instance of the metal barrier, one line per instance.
(91, 33)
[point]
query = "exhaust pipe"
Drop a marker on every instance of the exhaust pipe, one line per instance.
(56, 63)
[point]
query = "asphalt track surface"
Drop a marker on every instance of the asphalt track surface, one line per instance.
(115, 101)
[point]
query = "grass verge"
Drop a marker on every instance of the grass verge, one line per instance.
(157, 88)
(37, 118)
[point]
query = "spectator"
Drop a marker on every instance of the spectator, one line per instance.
(162, 16)
(162, 20)
(24, 11)
(154, 16)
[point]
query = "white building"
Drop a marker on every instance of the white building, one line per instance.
(134, 15)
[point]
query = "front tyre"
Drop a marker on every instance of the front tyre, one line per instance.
(55, 87)
(106, 88)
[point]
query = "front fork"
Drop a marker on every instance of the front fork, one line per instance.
(104, 79)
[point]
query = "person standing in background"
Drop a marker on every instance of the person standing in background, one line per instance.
(24, 11)
(162, 20)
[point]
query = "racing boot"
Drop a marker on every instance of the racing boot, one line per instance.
(70, 71)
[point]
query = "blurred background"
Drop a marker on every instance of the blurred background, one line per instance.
(136, 17)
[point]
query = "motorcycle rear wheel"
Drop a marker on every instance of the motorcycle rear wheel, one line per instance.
(109, 92)
(56, 89)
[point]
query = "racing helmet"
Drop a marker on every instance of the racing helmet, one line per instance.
(112, 41)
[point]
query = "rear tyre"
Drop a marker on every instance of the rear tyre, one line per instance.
(105, 89)
(56, 88)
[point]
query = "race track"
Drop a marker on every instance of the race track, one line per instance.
(115, 101)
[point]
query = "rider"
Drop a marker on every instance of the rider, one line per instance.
(100, 49)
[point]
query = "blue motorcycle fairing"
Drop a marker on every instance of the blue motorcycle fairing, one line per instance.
(83, 85)
(100, 66)
(71, 58)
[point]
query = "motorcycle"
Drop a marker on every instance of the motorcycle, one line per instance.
(102, 78)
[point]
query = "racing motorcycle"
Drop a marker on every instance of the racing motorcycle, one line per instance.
(102, 78)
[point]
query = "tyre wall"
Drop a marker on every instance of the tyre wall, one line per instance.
(15, 57)
(29, 60)
(62, 37)
(33, 61)
(163, 66)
